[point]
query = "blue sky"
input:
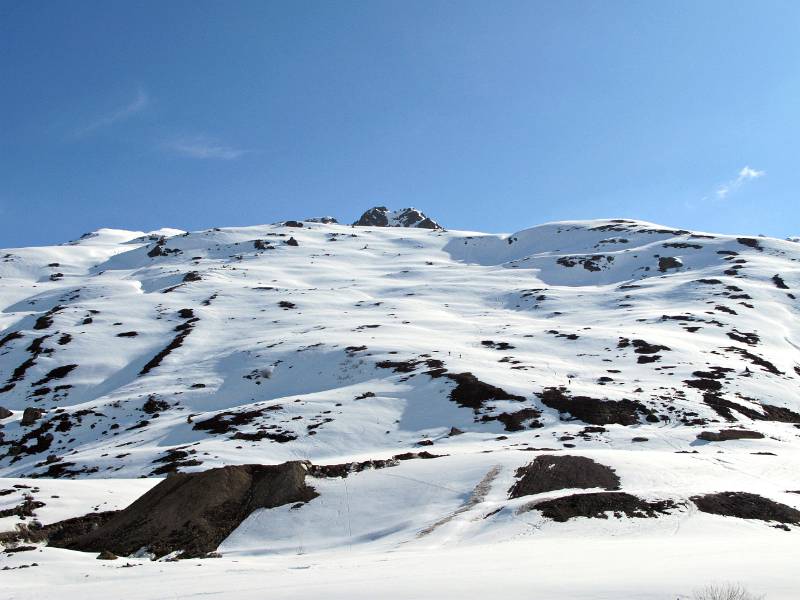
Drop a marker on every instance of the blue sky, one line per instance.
(493, 115)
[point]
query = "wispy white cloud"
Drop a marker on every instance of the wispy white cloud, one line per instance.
(140, 102)
(745, 174)
(200, 146)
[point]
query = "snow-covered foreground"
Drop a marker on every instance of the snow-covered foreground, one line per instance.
(445, 528)
(670, 357)
(574, 568)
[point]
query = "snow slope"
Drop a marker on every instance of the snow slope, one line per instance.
(613, 339)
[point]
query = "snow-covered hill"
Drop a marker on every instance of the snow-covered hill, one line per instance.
(671, 357)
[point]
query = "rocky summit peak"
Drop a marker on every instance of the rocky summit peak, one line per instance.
(380, 216)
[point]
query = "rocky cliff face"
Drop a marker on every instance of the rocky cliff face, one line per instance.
(380, 216)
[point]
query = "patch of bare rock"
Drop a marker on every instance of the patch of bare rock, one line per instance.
(380, 216)
(192, 513)
(597, 505)
(744, 505)
(729, 434)
(594, 410)
(547, 473)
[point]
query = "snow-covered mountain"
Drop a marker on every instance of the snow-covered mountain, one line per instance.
(419, 372)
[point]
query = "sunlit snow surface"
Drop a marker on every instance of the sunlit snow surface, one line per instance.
(292, 334)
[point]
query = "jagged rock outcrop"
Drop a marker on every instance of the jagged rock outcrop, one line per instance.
(380, 216)
(194, 512)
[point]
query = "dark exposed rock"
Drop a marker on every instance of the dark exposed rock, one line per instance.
(14, 335)
(711, 385)
(750, 243)
(744, 505)
(590, 263)
(548, 473)
(344, 469)
(39, 435)
(515, 421)
(729, 434)
(194, 512)
(723, 407)
(176, 342)
(281, 436)
(374, 217)
(173, 467)
(596, 505)
(5, 413)
(30, 415)
(46, 320)
(776, 279)
(153, 405)
(352, 350)
(725, 309)
(669, 262)
(175, 459)
(682, 245)
(749, 338)
(471, 392)
(398, 366)
(225, 422)
(587, 431)
(380, 216)
(643, 347)
(593, 410)
(15, 549)
(756, 360)
(497, 345)
(57, 373)
(778, 413)
(158, 248)
(24, 509)
(648, 358)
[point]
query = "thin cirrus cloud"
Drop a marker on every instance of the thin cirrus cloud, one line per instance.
(203, 147)
(745, 174)
(139, 103)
